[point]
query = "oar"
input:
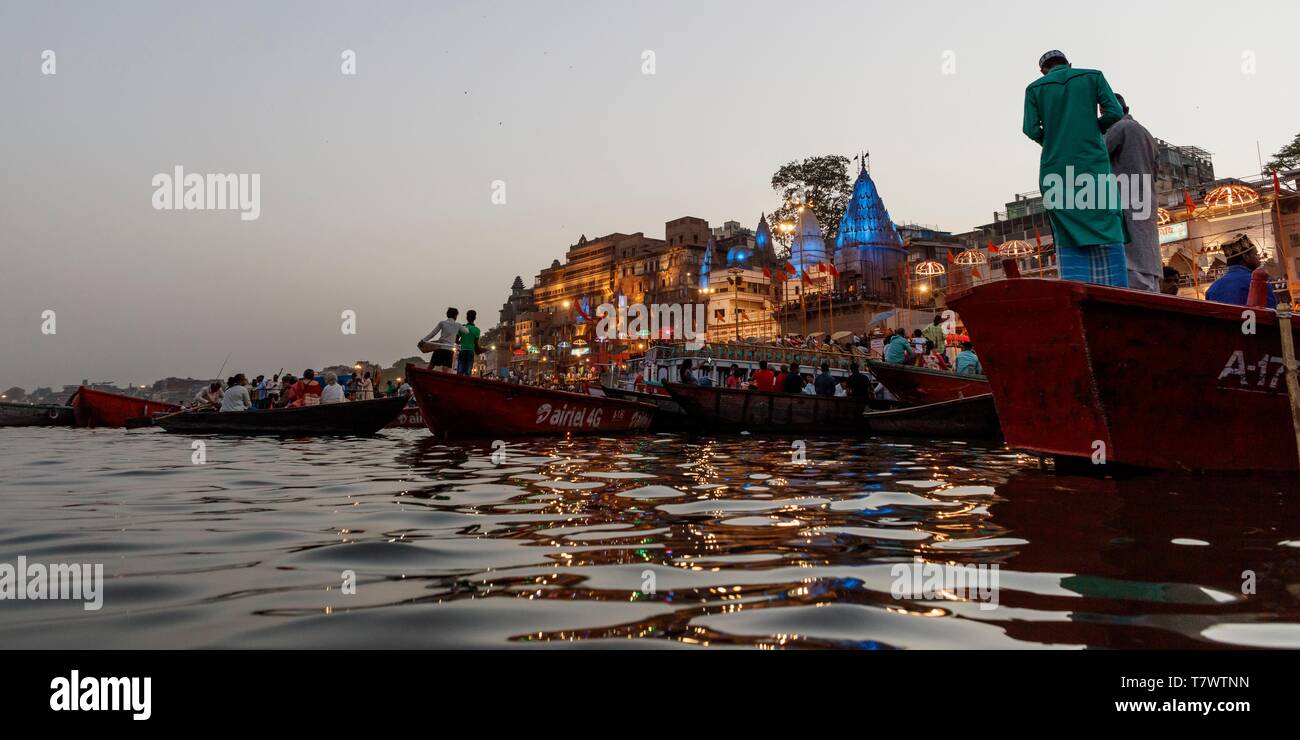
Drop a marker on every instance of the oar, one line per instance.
(1288, 357)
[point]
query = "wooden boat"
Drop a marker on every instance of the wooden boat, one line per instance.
(351, 418)
(409, 418)
(1150, 380)
(920, 385)
(670, 417)
(974, 418)
(92, 408)
(731, 409)
(34, 415)
(465, 406)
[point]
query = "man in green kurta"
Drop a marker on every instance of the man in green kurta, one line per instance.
(1074, 174)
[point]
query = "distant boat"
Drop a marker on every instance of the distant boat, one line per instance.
(670, 417)
(465, 406)
(732, 409)
(350, 418)
(920, 385)
(1095, 373)
(34, 415)
(92, 408)
(974, 417)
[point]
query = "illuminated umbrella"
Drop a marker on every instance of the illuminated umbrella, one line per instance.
(1231, 195)
(1162, 217)
(1015, 248)
(971, 257)
(930, 268)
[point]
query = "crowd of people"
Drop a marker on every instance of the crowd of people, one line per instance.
(284, 390)
(787, 379)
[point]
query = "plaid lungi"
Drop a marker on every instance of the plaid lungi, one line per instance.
(1102, 264)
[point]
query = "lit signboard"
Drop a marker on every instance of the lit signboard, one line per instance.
(1173, 232)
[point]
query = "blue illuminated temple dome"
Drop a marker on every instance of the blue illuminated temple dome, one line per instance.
(867, 244)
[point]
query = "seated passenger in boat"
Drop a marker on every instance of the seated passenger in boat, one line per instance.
(208, 398)
(236, 397)
(933, 358)
(685, 373)
(733, 377)
(332, 392)
(764, 379)
(305, 392)
(857, 384)
(825, 383)
(809, 387)
(1234, 286)
(793, 382)
(898, 350)
(967, 362)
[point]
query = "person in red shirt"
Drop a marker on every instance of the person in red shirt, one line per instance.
(305, 392)
(733, 377)
(764, 379)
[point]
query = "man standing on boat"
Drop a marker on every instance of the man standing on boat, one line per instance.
(1234, 286)
(1133, 158)
(447, 332)
(1074, 169)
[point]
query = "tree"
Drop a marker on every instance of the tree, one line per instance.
(822, 181)
(1288, 157)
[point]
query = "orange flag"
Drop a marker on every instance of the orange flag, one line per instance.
(789, 269)
(1038, 238)
(993, 249)
(1191, 207)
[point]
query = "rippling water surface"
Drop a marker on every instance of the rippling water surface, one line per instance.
(649, 541)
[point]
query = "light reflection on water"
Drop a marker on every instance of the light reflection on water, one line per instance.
(555, 544)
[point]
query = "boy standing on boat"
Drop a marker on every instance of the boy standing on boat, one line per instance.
(468, 338)
(447, 332)
(1074, 169)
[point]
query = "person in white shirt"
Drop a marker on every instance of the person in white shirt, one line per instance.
(236, 397)
(404, 389)
(447, 331)
(332, 392)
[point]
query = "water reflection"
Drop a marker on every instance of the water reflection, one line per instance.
(651, 541)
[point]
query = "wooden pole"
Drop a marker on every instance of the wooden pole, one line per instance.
(1288, 357)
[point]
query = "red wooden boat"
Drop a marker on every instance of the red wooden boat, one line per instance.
(465, 406)
(1160, 381)
(92, 408)
(919, 385)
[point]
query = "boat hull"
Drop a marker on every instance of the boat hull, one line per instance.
(670, 417)
(353, 418)
(920, 385)
(92, 408)
(1141, 379)
(34, 415)
(730, 409)
(409, 418)
(964, 418)
(464, 406)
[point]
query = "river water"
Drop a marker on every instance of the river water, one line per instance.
(403, 540)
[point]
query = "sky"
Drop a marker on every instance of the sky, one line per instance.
(377, 188)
